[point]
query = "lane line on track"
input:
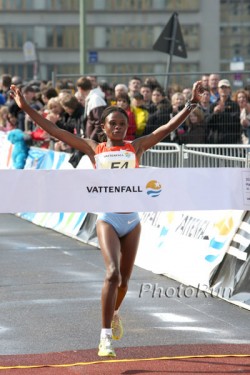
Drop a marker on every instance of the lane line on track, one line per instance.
(127, 360)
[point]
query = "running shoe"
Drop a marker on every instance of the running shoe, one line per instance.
(106, 348)
(117, 328)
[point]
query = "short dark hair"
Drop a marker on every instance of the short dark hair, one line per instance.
(84, 83)
(6, 80)
(69, 101)
(112, 109)
(123, 96)
(49, 92)
(28, 88)
(138, 96)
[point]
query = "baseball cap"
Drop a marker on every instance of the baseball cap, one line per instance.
(224, 82)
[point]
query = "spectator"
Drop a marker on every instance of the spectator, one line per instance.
(213, 87)
(140, 112)
(161, 115)
(80, 98)
(146, 91)
(121, 88)
(157, 96)
(47, 93)
(134, 86)
(223, 123)
(29, 93)
(247, 89)
(64, 84)
(94, 106)
(4, 111)
(123, 101)
(178, 103)
(204, 80)
(196, 128)
(108, 92)
(93, 80)
(187, 92)
(5, 83)
(152, 82)
(17, 81)
(54, 113)
(24, 123)
(54, 106)
(72, 119)
(172, 89)
(205, 103)
(45, 84)
(242, 98)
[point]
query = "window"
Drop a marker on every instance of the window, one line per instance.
(56, 36)
(59, 5)
(135, 37)
(121, 37)
(149, 5)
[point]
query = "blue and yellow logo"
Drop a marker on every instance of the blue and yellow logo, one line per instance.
(222, 230)
(153, 188)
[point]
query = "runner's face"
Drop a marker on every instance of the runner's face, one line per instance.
(116, 126)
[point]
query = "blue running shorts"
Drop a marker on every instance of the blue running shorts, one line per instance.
(122, 223)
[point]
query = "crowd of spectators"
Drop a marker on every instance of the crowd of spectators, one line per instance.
(222, 116)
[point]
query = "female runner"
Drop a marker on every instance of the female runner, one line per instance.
(118, 233)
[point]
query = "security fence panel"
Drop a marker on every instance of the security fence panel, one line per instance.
(162, 155)
(215, 156)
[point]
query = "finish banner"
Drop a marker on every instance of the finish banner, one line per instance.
(124, 190)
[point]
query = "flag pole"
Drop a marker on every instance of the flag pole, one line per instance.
(172, 45)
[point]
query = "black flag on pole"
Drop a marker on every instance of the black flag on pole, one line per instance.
(163, 43)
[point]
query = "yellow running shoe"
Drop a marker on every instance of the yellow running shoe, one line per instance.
(106, 348)
(117, 328)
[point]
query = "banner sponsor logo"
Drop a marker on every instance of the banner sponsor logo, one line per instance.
(223, 230)
(114, 189)
(153, 188)
(213, 235)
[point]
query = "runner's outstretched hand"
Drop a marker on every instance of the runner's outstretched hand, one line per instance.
(197, 92)
(17, 95)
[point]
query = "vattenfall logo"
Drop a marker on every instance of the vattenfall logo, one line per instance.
(153, 189)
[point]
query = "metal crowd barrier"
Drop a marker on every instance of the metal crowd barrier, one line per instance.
(162, 155)
(171, 155)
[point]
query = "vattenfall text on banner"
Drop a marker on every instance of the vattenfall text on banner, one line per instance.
(124, 190)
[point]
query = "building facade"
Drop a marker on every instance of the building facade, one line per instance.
(119, 36)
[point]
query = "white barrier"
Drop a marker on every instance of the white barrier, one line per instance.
(125, 190)
(187, 245)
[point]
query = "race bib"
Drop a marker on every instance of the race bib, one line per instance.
(115, 159)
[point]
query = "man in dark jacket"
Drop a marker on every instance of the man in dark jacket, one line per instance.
(223, 122)
(73, 118)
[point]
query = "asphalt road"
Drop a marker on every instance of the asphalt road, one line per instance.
(50, 289)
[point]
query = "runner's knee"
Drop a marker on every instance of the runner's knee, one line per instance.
(113, 275)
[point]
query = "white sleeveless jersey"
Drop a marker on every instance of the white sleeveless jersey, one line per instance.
(115, 157)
